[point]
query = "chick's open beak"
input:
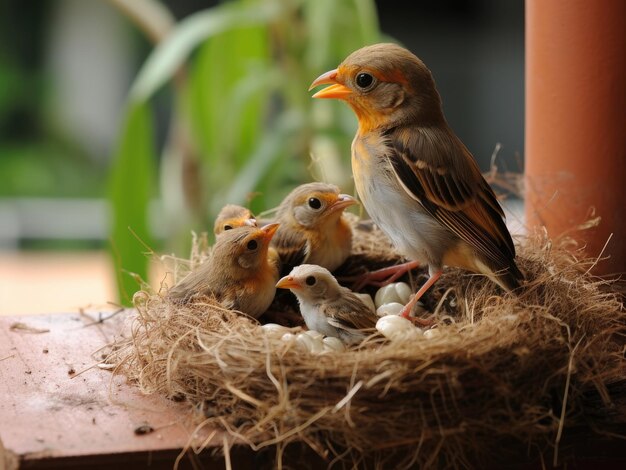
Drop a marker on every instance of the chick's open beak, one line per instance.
(335, 90)
(268, 231)
(343, 201)
(287, 282)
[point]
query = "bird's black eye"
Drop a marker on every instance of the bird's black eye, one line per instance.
(364, 80)
(315, 203)
(252, 245)
(228, 227)
(310, 280)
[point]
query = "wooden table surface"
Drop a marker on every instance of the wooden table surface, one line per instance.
(56, 410)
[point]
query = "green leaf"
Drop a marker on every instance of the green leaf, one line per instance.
(170, 54)
(131, 187)
(275, 143)
(367, 19)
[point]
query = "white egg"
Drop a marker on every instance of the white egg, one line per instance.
(392, 308)
(395, 327)
(273, 330)
(367, 300)
(333, 344)
(399, 292)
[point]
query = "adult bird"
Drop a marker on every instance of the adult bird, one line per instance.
(414, 176)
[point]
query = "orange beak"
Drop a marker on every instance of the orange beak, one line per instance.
(343, 201)
(268, 231)
(335, 90)
(288, 282)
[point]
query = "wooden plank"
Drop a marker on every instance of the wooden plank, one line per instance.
(51, 413)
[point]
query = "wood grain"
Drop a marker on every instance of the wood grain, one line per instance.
(54, 412)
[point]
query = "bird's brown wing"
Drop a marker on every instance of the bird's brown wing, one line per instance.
(437, 170)
(292, 247)
(349, 312)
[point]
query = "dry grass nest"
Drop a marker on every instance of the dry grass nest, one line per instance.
(504, 371)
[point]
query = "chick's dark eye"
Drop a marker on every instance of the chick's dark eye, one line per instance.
(252, 245)
(228, 227)
(315, 203)
(310, 281)
(364, 80)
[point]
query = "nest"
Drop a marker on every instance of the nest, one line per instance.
(505, 371)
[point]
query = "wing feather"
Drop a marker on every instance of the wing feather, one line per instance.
(437, 170)
(349, 312)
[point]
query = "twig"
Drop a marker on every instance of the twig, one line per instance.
(101, 319)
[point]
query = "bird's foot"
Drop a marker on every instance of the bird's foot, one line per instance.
(381, 277)
(406, 311)
(418, 321)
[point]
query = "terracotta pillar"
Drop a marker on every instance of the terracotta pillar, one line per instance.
(576, 121)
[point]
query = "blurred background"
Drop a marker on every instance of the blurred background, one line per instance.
(126, 124)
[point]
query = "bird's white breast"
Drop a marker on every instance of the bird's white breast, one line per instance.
(315, 320)
(411, 229)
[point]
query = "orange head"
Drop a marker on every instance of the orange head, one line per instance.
(386, 85)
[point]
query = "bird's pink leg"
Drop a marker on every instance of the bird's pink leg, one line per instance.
(384, 276)
(406, 311)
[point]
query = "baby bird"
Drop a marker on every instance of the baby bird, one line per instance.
(240, 272)
(326, 306)
(232, 216)
(312, 229)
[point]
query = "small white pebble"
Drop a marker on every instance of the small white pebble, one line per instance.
(304, 342)
(318, 346)
(399, 292)
(314, 334)
(367, 300)
(287, 337)
(395, 327)
(404, 292)
(274, 330)
(432, 333)
(333, 344)
(310, 344)
(392, 308)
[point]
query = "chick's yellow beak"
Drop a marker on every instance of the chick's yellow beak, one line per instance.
(287, 282)
(335, 90)
(268, 231)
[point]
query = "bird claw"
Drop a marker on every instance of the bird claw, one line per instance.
(421, 322)
(381, 277)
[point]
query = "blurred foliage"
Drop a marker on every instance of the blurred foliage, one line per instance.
(244, 128)
(34, 157)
